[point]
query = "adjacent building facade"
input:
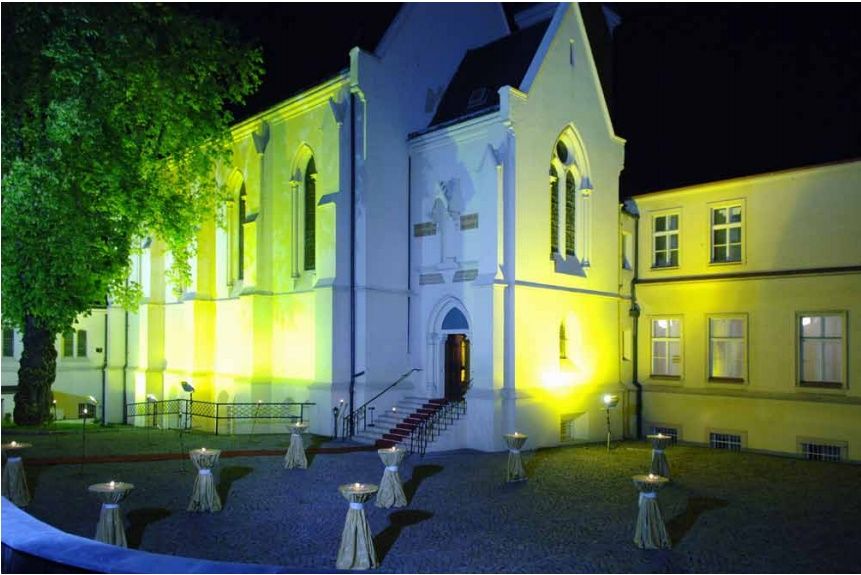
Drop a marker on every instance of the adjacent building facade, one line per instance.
(451, 209)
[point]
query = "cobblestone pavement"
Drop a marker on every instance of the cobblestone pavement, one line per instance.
(726, 512)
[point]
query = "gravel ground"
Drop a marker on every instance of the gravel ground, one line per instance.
(726, 512)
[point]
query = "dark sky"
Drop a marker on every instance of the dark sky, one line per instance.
(701, 92)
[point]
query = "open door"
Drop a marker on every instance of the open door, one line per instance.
(456, 366)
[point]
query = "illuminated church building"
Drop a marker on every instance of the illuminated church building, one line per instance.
(452, 207)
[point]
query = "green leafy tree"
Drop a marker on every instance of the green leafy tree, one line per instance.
(114, 117)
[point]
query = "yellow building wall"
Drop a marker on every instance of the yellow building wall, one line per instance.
(801, 255)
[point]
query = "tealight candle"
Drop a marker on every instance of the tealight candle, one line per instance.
(112, 484)
(651, 477)
(13, 444)
(357, 485)
(203, 449)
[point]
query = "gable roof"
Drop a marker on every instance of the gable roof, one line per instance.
(504, 62)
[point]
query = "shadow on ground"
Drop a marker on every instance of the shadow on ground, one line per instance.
(420, 473)
(228, 476)
(386, 538)
(138, 521)
(678, 526)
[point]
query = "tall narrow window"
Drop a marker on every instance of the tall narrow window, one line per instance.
(666, 241)
(667, 347)
(570, 213)
(554, 212)
(69, 344)
(240, 237)
(8, 342)
(82, 343)
(822, 350)
(310, 214)
(563, 342)
(726, 234)
(727, 349)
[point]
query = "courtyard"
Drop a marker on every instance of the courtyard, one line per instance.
(725, 511)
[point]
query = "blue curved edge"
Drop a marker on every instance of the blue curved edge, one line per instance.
(27, 535)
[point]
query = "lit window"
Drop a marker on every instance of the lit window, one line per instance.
(666, 241)
(8, 342)
(667, 347)
(822, 349)
(726, 234)
(727, 349)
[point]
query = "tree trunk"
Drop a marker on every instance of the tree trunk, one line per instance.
(36, 373)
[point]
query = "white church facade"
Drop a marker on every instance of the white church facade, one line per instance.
(446, 209)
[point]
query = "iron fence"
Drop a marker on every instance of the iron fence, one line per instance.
(186, 410)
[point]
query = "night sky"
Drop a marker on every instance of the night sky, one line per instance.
(700, 92)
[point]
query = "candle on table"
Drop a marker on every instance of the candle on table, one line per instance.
(112, 484)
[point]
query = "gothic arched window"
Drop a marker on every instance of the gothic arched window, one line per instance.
(240, 235)
(570, 190)
(310, 214)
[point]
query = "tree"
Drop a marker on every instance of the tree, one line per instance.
(114, 117)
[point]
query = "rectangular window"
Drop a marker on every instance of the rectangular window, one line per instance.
(727, 347)
(726, 234)
(69, 344)
(667, 347)
(8, 342)
(725, 441)
(82, 343)
(666, 241)
(822, 348)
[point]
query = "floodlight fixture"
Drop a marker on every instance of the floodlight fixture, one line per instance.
(92, 400)
(187, 387)
(151, 398)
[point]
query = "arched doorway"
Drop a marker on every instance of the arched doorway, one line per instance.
(456, 365)
(449, 350)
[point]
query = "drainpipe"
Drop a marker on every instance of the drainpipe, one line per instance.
(635, 314)
(352, 257)
(125, 365)
(105, 364)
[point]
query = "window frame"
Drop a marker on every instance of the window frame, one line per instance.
(668, 339)
(10, 333)
(667, 234)
(799, 352)
(734, 381)
(712, 227)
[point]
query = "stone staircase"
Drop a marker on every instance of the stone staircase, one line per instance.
(393, 427)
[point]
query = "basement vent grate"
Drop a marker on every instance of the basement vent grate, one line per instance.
(821, 451)
(725, 441)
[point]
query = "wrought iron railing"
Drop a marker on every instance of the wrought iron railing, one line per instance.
(358, 420)
(427, 430)
(186, 410)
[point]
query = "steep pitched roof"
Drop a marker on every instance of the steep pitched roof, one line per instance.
(484, 70)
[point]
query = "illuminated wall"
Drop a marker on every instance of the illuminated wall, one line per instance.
(494, 169)
(799, 257)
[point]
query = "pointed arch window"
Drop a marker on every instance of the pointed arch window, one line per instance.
(570, 209)
(310, 214)
(570, 214)
(240, 235)
(563, 342)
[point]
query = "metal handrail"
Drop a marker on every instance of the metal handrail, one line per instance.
(350, 422)
(431, 428)
(216, 410)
